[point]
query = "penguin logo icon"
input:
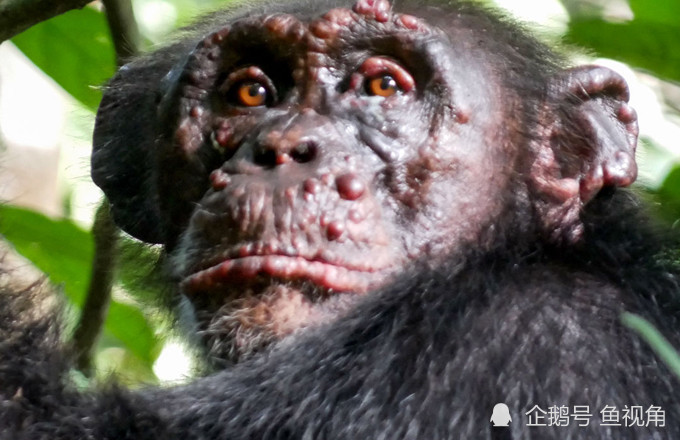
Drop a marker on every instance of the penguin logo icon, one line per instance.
(501, 415)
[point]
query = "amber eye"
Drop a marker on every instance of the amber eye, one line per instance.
(251, 94)
(382, 86)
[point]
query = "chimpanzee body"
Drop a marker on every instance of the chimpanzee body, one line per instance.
(386, 221)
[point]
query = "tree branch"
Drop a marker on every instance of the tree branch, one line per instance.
(98, 297)
(18, 15)
(124, 30)
(125, 36)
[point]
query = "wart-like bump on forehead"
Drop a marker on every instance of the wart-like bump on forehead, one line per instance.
(324, 29)
(340, 16)
(377, 9)
(188, 136)
(329, 27)
(219, 36)
(286, 27)
(411, 22)
(316, 59)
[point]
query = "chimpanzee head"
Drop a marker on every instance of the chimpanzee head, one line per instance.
(292, 163)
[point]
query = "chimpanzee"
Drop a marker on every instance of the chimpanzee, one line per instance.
(384, 220)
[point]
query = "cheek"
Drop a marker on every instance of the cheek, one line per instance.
(456, 211)
(460, 193)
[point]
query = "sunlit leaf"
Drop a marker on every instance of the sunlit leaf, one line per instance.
(75, 49)
(645, 44)
(668, 195)
(64, 252)
(656, 341)
(657, 11)
(57, 247)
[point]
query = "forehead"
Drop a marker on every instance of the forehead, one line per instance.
(324, 47)
(368, 24)
(341, 36)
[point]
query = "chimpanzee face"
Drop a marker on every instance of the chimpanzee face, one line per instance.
(337, 151)
(292, 164)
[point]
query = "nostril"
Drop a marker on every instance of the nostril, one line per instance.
(304, 152)
(265, 158)
(271, 157)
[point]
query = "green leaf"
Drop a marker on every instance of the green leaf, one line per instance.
(128, 324)
(667, 197)
(75, 49)
(645, 44)
(57, 247)
(670, 189)
(656, 341)
(138, 271)
(657, 11)
(64, 252)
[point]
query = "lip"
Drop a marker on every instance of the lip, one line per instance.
(239, 270)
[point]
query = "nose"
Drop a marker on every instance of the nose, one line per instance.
(288, 140)
(277, 150)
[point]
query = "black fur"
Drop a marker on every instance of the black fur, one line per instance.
(426, 358)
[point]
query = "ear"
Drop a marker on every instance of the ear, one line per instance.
(122, 156)
(138, 152)
(587, 142)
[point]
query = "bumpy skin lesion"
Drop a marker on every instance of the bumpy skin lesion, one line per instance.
(385, 220)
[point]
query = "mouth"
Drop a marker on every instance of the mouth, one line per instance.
(235, 271)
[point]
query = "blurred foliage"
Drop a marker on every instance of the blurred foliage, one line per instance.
(659, 344)
(63, 251)
(668, 196)
(185, 11)
(75, 49)
(651, 40)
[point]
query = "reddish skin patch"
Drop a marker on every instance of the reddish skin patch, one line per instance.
(324, 220)
(329, 276)
(327, 179)
(376, 66)
(188, 136)
(324, 29)
(253, 73)
(286, 27)
(627, 114)
(335, 230)
(411, 22)
(312, 186)
(219, 36)
(350, 187)
(219, 180)
(289, 310)
(222, 135)
(614, 166)
(355, 216)
(282, 159)
(340, 16)
(279, 24)
(196, 112)
(244, 251)
(378, 9)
